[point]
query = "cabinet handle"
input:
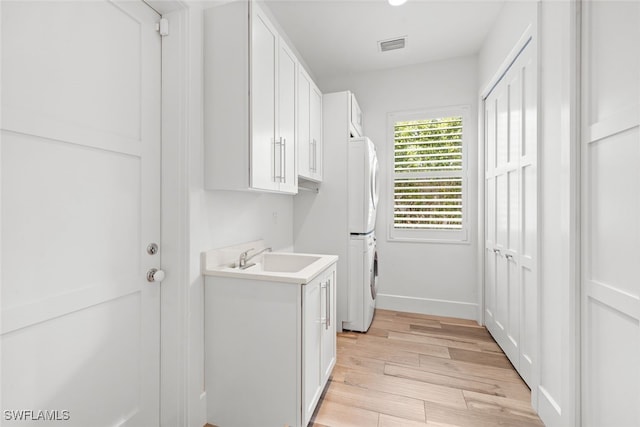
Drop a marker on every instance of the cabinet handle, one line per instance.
(283, 160)
(509, 256)
(328, 305)
(312, 155)
(315, 155)
(496, 251)
(281, 144)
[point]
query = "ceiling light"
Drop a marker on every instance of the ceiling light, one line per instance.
(396, 2)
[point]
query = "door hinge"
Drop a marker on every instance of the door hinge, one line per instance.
(162, 27)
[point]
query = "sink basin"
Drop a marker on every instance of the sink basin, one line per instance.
(285, 267)
(286, 262)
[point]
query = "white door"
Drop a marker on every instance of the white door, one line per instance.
(610, 213)
(311, 347)
(315, 112)
(305, 146)
(287, 80)
(265, 147)
(80, 203)
(511, 220)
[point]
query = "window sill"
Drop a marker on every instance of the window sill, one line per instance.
(456, 237)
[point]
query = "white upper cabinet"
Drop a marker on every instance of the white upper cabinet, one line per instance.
(309, 128)
(249, 102)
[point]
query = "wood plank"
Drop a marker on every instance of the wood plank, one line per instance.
(426, 339)
(463, 369)
(336, 414)
(404, 387)
(364, 364)
(498, 405)
(443, 414)
(455, 331)
(391, 421)
(488, 359)
(378, 343)
(385, 353)
(471, 383)
(375, 401)
(450, 320)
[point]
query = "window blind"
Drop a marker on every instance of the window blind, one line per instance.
(428, 174)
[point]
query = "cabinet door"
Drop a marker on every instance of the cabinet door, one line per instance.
(286, 161)
(264, 150)
(311, 339)
(315, 114)
(304, 147)
(328, 333)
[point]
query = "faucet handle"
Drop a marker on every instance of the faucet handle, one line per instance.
(245, 253)
(243, 257)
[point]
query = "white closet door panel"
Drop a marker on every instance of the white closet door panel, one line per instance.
(502, 128)
(490, 286)
(610, 212)
(59, 213)
(513, 215)
(502, 211)
(490, 225)
(78, 104)
(515, 114)
(613, 383)
(614, 208)
(511, 186)
(529, 217)
(88, 356)
(529, 327)
(490, 130)
(612, 60)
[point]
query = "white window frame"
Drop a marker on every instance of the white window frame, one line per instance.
(460, 236)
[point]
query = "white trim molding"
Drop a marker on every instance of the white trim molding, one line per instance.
(437, 307)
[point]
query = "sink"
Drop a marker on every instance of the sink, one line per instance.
(285, 267)
(287, 262)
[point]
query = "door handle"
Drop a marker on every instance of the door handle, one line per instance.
(155, 275)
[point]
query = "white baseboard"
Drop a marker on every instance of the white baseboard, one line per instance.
(436, 307)
(548, 409)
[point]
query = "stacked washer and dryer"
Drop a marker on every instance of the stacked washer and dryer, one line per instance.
(363, 256)
(340, 218)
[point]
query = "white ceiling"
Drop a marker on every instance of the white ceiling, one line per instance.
(336, 37)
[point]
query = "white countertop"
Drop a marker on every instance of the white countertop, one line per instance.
(217, 263)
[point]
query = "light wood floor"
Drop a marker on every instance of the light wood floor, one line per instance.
(417, 370)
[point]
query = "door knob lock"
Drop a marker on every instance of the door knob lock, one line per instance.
(155, 275)
(152, 249)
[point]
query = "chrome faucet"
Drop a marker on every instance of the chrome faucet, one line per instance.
(244, 257)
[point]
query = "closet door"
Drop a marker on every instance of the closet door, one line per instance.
(610, 210)
(510, 229)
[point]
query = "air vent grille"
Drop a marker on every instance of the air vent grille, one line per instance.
(392, 44)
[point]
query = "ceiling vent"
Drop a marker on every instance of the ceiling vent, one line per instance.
(392, 44)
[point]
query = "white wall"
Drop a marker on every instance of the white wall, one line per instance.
(431, 278)
(556, 393)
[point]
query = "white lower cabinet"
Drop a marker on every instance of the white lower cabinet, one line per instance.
(318, 338)
(270, 348)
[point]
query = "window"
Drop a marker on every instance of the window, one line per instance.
(429, 176)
